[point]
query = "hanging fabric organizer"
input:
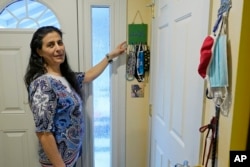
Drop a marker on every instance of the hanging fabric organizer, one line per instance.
(139, 54)
(213, 68)
(137, 33)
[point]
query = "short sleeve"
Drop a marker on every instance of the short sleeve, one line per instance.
(80, 78)
(43, 104)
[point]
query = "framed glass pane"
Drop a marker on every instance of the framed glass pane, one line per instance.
(27, 14)
(16, 9)
(101, 87)
(27, 23)
(35, 9)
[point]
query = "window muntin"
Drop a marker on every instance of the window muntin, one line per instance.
(27, 14)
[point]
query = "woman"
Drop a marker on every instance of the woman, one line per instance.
(55, 99)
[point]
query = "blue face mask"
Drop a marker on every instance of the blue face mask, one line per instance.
(218, 75)
(218, 71)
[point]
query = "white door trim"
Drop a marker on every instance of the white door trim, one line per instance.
(118, 9)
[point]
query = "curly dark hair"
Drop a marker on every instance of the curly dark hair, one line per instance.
(36, 67)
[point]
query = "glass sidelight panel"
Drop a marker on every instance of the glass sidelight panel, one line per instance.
(101, 87)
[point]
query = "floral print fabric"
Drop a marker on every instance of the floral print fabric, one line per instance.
(59, 111)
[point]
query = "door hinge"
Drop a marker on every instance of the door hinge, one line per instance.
(152, 5)
(150, 110)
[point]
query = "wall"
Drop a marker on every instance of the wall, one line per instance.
(137, 111)
(242, 91)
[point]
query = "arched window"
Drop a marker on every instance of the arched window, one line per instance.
(27, 14)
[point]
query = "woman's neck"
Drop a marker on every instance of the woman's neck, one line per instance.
(54, 71)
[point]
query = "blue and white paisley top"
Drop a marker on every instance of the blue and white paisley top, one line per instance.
(58, 109)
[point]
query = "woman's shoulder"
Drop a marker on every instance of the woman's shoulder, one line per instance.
(42, 78)
(42, 82)
(46, 80)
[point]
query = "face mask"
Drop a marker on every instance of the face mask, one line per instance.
(218, 71)
(206, 55)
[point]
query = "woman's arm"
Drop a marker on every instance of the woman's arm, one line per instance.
(50, 148)
(95, 71)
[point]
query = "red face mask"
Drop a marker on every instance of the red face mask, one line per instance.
(206, 55)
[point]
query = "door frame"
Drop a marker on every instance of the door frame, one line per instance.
(118, 9)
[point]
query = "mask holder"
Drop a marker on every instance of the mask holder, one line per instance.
(219, 95)
(138, 60)
(214, 68)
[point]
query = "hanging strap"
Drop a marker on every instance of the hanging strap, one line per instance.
(138, 13)
(225, 6)
(217, 23)
(217, 114)
(211, 127)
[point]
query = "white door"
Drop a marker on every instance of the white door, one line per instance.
(178, 30)
(18, 142)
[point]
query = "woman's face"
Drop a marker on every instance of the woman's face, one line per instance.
(53, 50)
